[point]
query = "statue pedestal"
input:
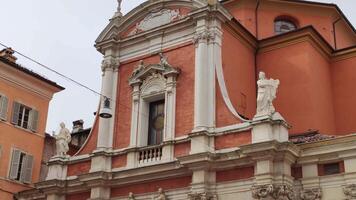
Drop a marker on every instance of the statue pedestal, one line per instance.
(57, 168)
(269, 127)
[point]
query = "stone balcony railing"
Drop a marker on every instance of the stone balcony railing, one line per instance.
(150, 154)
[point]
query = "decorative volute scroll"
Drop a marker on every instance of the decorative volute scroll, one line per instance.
(267, 89)
(143, 74)
(156, 19)
(311, 194)
(269, 191)
(350, 192)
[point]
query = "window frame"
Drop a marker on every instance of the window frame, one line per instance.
(289, 21)
(23, 167)
(4, 100)
(19, 114)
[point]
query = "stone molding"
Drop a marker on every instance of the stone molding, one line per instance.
(350, 192)
(311, 194)
(275, 192)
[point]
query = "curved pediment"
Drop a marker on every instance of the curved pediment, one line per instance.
(142, 72)
(147, 16)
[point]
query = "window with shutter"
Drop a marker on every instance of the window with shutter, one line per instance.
(15, 113)
(34, 120)
(26, 169)
(15, 164)
(3, 107)
(25, 117)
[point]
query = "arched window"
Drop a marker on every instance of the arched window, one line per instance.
(284, 26)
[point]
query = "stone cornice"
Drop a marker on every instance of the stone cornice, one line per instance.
(306, 34)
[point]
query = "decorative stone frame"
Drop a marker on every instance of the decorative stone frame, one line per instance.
(151, 83)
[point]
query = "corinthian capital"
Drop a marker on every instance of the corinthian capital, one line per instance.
(204, 36)
(110, 63)
(350, 192)
(311, 194)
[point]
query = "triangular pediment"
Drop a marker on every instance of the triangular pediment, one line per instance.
(147, 16)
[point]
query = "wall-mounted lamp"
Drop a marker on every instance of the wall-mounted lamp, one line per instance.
(106, 110)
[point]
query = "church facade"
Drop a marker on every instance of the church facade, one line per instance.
(232, 99)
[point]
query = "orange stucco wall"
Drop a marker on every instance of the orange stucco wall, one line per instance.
(343, 82)
(304, 15)
(345, 37)
(12, 136)
(304, 95)
(239, 73)
(153, 186)
(184, 99)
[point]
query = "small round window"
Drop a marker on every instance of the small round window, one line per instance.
(283, 26)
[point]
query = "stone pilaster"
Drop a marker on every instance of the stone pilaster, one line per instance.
(109, 67)
(204, 96)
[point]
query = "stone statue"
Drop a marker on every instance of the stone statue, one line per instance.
(163, 60)
(161, 195)
(62, 140)
(131, 196)
(139, 68)
(267, 89)
(119, 6)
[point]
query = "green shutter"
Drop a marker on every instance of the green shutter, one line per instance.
(15, 164)
(15, 113)
(3, 107)
(33, 120)
(26, 169)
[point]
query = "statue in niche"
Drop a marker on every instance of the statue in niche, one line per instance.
(63, 138)
(161, 195)
(267, 89)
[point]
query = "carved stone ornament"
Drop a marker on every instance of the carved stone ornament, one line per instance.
(311, 194)
(267, 89)
(62, 140)
(161, 195)
(262, 191)
(144, 74)
(350, 192)
(109, 64)
(204, 36)
(202, 196)
(156, 19)
(283, 192)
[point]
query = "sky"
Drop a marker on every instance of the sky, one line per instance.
(61, 35)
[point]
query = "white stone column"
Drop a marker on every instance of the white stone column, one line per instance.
(204, 108)
(109, 87)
